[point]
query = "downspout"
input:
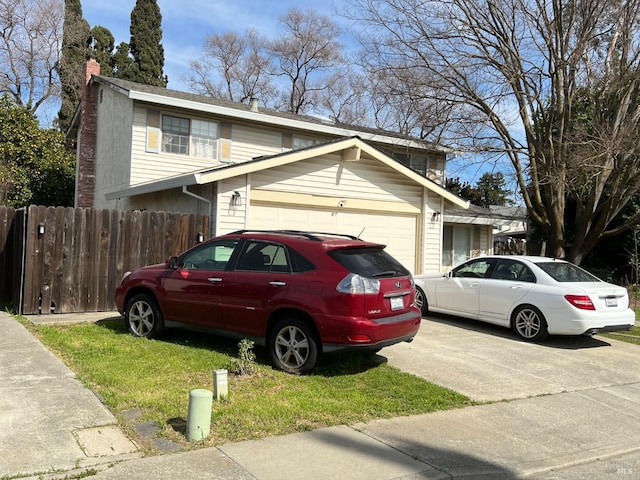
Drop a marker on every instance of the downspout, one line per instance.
(202, 199)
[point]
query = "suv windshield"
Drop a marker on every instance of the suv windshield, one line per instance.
(369, 262)
(567, 272)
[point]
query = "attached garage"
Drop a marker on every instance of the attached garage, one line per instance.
(398, 232)
(346, 186)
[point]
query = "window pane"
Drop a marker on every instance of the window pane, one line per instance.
(419, 164)
(204, 139)
(447, 245)
(302, 142)
(175, 135)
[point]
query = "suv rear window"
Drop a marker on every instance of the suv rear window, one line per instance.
(369, 262)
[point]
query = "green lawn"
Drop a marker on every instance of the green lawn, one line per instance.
(155, 377)
(634, 335)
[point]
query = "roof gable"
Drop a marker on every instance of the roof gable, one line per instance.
(351, 150)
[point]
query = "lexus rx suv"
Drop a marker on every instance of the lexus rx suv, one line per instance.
(299, 294)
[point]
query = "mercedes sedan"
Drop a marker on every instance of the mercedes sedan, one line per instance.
(535, 296)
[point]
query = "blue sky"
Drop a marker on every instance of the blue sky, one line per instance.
(186, 23)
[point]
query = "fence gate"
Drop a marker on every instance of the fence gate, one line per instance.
(73, 258)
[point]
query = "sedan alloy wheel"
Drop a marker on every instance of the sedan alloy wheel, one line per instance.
(529, 323)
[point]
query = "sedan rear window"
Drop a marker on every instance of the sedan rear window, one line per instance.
(369, 262)
(567, 272)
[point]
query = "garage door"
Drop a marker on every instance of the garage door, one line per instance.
(398, 232)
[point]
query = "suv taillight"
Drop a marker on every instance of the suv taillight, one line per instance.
(355, 284)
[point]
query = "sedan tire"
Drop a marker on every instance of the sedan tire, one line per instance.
(421, 301)
(143, 316)
(529, 323)
(293, 346)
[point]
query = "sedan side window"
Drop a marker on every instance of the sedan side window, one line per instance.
(209, 256)
(507, 269)
(473, 269)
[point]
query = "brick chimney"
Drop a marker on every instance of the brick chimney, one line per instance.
(86, 156)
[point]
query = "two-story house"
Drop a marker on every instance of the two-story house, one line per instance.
(145, 147)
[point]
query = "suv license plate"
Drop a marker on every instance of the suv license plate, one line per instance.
(397, 303)
(611, 302)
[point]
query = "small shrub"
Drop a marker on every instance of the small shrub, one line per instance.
(246, 361)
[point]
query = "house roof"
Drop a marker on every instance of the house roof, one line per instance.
(173, 98)
(351, 148)
(483, 216)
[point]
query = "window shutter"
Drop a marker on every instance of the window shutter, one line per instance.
(153, 132)
(287, 141)
(224, 149)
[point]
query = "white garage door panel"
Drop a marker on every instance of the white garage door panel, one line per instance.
(398, 232)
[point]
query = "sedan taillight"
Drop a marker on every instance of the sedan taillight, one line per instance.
(582, 302)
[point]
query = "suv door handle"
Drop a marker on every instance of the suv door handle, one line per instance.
(278, 283)
(214, 279)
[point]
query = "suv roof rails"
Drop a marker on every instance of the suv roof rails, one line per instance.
(309, 235)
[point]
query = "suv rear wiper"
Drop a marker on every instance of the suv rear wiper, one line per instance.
(387, 273)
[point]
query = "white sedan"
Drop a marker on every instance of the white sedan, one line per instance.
(535, 296)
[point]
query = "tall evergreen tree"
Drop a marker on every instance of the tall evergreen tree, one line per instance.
(102, 45)
(145, 46)
(75, 50)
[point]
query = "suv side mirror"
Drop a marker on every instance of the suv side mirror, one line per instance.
(172, 263)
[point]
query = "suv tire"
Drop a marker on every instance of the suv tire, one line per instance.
(293, 347)
(143, 316)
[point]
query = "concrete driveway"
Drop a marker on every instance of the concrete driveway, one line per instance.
(489, 363)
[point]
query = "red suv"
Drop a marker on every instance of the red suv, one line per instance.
(297, 293)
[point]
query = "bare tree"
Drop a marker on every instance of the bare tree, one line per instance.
(346, 99)
(233, 67)
(30, 42)
(306, 55)
(552, 85)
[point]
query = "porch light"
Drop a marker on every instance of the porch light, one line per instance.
(236, 199)
(435, 217)
(199, 237)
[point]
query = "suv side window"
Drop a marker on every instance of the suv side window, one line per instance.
(209, 256)
(259, 256)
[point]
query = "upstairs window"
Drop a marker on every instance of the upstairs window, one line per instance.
(182, 136)
(204, 139)
(175, 135)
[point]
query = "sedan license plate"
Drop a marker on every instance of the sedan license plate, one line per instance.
(397, 303)
(611, 301)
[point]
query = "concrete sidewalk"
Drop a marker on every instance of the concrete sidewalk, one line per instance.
(569, 408)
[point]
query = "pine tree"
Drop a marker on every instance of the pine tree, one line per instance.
(75, 42)
(145, 46)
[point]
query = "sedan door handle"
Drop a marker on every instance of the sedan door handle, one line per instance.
(516, 287)
(278, 283)
(214, 279)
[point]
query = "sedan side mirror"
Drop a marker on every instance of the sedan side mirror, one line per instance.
(172, 263)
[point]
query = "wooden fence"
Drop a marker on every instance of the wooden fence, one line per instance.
(72, 259)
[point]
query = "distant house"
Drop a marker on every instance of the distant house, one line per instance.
(145, 147)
